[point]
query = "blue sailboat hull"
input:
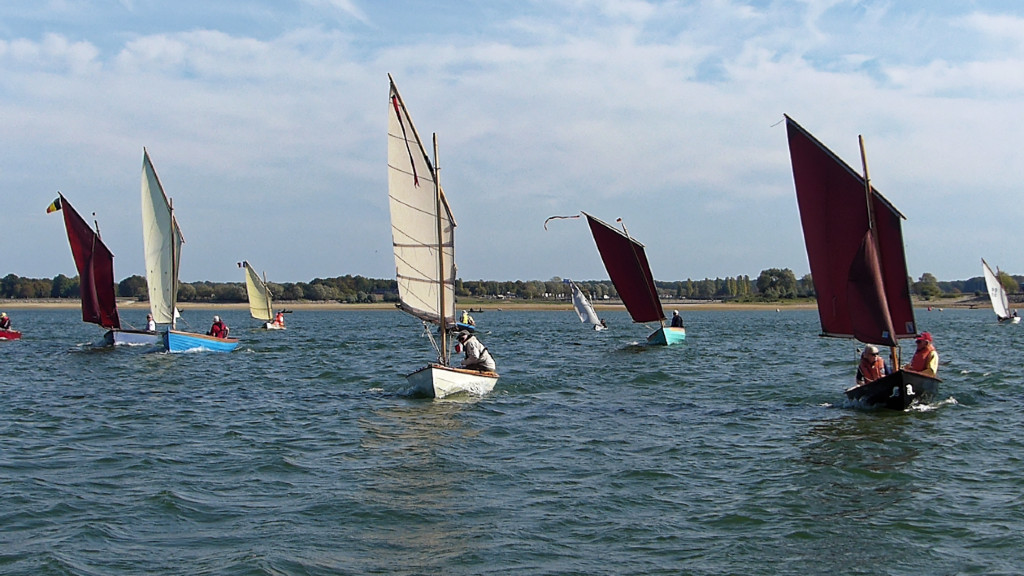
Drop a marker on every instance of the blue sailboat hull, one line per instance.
(666, 336)
(177, 341)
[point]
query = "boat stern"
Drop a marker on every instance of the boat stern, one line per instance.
(666, 336)
(437, 381)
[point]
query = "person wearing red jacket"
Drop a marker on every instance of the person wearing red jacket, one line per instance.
(219, 329)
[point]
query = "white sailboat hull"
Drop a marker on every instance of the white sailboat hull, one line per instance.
(132, 338)
(437, 381)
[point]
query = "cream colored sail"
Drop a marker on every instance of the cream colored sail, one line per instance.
(260, 302)
(421, 222)
(162, 242)
(583, 307)
(996, 292)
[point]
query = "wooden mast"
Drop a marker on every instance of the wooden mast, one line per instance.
(894, 351)
(652, 290)
(443, 351)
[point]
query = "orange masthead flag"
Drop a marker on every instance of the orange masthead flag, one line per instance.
(54, 206)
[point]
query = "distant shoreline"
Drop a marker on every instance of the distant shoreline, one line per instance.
(487, 306)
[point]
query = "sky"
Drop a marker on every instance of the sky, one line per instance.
(266, 122)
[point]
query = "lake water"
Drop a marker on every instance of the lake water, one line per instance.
(299, 453)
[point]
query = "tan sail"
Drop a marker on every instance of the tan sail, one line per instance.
(260, 302)
(424, 288)
(162, 242)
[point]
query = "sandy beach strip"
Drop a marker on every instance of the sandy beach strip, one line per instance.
(494, 306)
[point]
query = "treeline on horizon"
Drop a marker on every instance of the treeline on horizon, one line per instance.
(773, 284)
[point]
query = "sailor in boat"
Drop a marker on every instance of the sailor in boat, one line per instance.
(150, 324)
(477, 356)
(677, 320)
(279, 319)
(926, 358)
(5, 322)
(872, 366)
(219, 329)
(467, 319)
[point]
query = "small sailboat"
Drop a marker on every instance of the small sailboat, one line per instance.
(854, 240)
(997, 293)
(95, 264)
(8, 333)
(584, 309)
(423, 235)
(261, 304)
(626, 262)
(162, 239)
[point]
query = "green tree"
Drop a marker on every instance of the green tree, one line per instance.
(186, 293)
(133, 287)
(64, 287)
(775, 283)
(1008, 282)
(927, 287)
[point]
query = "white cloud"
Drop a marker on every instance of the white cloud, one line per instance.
(660, 112)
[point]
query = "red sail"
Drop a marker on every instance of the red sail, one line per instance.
(627, 266)
(95, 266)
(862, 293)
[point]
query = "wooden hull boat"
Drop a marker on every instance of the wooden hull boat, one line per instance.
(437, 381)
(667, 335)
(132, 338)
(178, 341)
(896, 391)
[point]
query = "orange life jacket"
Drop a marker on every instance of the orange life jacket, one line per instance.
(919, 363)
(872, 370)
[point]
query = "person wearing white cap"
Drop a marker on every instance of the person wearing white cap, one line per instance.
(477, 356)
(872, 366)
(5, 322)
(677, 320)
(219, 328)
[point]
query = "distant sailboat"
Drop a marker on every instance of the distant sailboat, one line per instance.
(8, 333)
(626, 262)
(996, 293)
(584, 309)
(261, 305)
(162, 239)
(95, 264)
(423, 235)
(854, 242)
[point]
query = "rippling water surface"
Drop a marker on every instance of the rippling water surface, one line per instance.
(299, 453)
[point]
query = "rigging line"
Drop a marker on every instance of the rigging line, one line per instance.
(405, 137)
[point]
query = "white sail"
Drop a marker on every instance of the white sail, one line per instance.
(421, 222)
(996, 292)
(260, 302)
(583, 307)
(162, 243)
